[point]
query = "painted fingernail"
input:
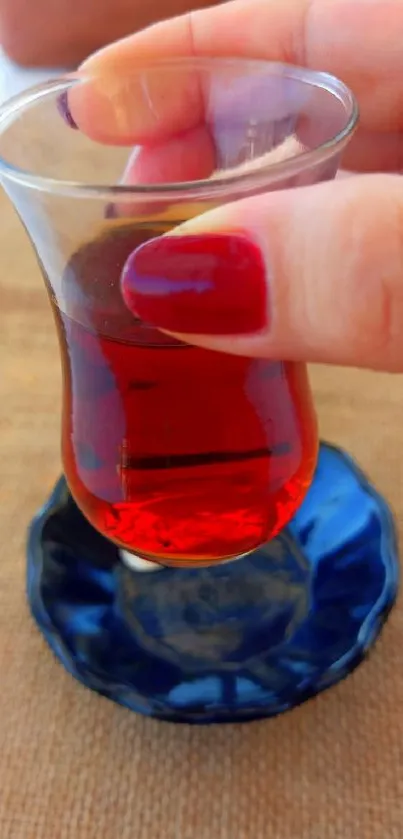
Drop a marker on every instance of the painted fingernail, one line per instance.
(110, 211)
(64, 110)
(211, 284)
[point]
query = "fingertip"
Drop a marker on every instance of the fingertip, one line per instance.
(64, 110)
(211, 284)
(100, 106)
(147, 104)
(188, 156)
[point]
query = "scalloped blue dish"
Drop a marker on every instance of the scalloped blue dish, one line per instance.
(231, 642)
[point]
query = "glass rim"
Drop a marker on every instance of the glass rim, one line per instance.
(196, 189)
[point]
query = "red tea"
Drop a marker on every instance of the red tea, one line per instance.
(173, 452)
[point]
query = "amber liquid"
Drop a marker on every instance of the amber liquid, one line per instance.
(175, 453)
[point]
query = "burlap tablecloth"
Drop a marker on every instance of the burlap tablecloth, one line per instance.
(75, 766)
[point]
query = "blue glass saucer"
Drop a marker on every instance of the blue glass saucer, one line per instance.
(231, 642)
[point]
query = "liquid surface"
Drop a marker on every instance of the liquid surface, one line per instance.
(173, 452)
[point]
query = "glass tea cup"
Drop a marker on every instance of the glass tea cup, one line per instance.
(177, 454)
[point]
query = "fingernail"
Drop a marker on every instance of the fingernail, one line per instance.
(110, 211)
(64, 110)
(211, 284)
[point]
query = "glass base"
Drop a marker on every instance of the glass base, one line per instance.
(230, 642)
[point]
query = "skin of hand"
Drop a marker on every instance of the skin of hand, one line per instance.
(327, 260)
(61, 33)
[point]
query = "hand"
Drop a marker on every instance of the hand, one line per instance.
(327, 259)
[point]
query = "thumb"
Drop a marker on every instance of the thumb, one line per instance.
(312, 274)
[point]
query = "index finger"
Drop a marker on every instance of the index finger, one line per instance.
(358, 41)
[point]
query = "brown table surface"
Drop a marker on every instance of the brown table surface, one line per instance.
(74, 765)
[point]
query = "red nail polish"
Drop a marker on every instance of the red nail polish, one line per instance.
(110, 211)
(211, 284)
(64, 110)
